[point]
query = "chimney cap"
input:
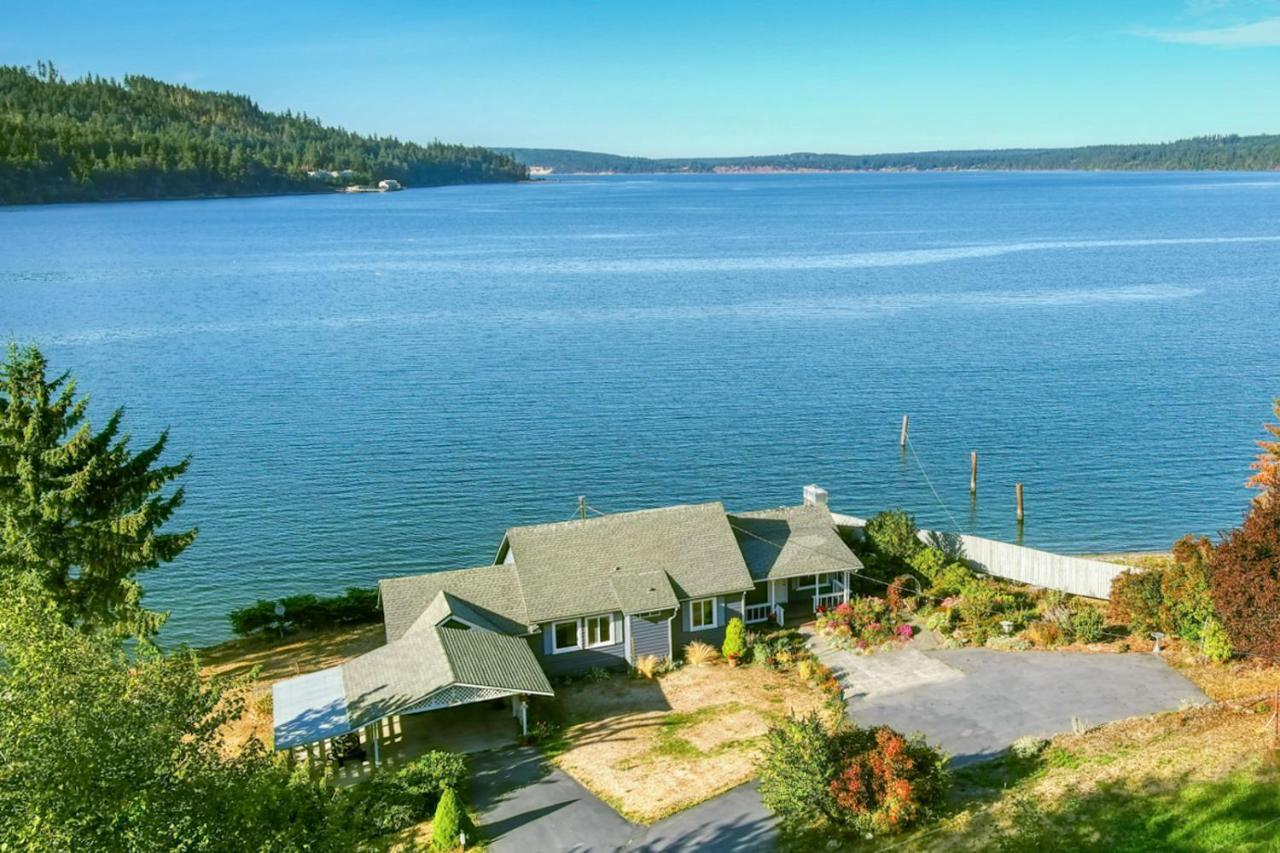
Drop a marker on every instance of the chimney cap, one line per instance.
(815, 495)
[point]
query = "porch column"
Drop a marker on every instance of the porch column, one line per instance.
(817, 591)
(846, 587)
(524, 716)
(371, 735)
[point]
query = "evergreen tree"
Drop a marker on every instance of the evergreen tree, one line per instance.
(78, 509)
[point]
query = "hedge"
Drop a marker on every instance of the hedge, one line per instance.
(353, 607)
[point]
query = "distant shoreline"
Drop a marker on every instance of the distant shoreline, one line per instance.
(6, 205)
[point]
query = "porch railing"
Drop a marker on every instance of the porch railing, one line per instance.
(828, 600)
(757, 613)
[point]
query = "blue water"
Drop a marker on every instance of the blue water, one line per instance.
(378, 385)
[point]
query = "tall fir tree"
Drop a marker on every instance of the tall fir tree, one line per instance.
(78, 509)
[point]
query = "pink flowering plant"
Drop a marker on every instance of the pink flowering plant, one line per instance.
(863, 623)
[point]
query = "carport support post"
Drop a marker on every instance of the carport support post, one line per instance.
(524, 716)
(371, 735)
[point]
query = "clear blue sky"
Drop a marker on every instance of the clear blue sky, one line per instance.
(702, 78)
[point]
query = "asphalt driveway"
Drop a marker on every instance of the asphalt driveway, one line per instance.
(527, 805)
(971, 702)
(997, 697)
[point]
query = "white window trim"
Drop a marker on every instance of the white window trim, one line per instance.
(715, 615)
(581, 629)
(584, 636)
(559, 650)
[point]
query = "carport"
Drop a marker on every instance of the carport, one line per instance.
(428, 669)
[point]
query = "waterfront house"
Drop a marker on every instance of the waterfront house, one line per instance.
(563, 598)
(389, 185)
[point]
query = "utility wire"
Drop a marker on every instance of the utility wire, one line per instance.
(911, 446)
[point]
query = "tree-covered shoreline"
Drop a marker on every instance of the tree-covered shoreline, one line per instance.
(1204, 153)
(99, 139)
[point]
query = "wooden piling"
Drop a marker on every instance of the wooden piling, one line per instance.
(973, 472)
(1019, 491)
(903, 442)
(582, 507)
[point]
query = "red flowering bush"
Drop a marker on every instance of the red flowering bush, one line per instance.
(872, 781)
(862, 623)
(885, 788)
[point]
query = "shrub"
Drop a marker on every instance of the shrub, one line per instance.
(902, 589)
(1087, 624)
(649, 665)
(734, 639)
(796, 767)
(1045, 635)
(699, 653)
(928, 562)
(894, 534)
(1028, 746)
(355, 606)
(1244, 578)
(1214, 642)
(890, 784)
(450, 822)
(1136, 599)
(1006, 643)
(950, 579)
(1184, 588)
(871, 780)
(394, 799)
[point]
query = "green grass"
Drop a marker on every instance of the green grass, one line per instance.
(1238, 813)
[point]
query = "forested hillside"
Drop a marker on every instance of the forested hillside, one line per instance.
(1245, 153)
(99, 139)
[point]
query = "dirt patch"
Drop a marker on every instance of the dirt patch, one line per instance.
(651, 748)
(278, 659)
(714, 733)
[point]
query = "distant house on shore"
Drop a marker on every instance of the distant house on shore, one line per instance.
(345, 174)
(388, 185)
(321, 175)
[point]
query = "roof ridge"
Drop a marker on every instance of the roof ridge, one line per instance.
(613, 516)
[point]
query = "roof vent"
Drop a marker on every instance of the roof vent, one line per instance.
(815, 496)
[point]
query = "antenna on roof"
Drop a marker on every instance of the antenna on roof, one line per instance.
(582, 507)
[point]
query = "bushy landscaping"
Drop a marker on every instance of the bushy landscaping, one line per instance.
(846, 779)
(395, 799)
(307, 612)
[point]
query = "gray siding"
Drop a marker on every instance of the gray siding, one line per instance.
(729, 606)
(651, 636)
(575, 663)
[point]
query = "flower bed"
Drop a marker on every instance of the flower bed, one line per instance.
(862, 624)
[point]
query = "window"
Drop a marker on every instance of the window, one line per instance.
(599, 630)
(702, 614)
(564, 636)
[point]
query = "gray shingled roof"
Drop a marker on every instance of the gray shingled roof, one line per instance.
(567, 568)
(791, 541)
(642, 592)
(492, 593)
(402, 675)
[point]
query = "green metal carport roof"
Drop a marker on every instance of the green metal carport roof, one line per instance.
(429, 667)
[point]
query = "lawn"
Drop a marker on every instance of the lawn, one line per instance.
(654, 747)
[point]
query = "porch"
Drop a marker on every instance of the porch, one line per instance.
(789, 601)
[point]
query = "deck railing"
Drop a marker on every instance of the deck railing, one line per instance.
(828, 600)
(757, 613)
